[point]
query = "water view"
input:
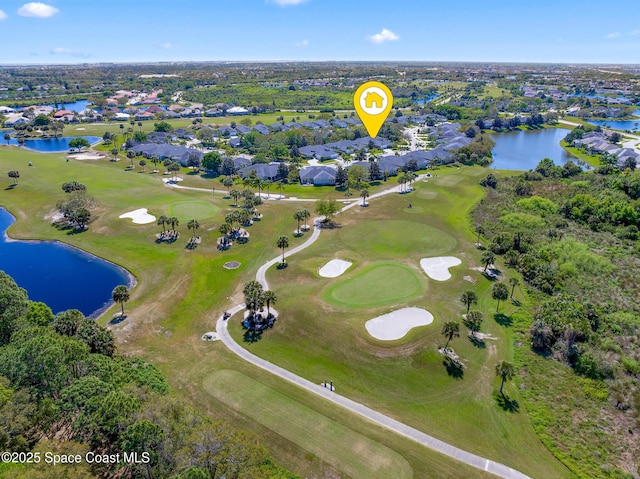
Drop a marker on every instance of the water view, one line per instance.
(52, 145)
(523, 150)
(620, 124)
(62, 276)
(76, 106)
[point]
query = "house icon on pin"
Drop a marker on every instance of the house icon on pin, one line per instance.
(373, 100)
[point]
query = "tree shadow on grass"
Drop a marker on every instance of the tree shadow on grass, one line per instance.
(515, 302)
(10, 187)
(118, 319)
(252, 336)
(506, 403)
(454, 368)
(477, 342)
(503, 319)
(282, 265)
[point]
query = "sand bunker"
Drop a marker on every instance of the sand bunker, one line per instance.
(334, 268)
(87, 156)
(396, 324)
(139, 216)
(438, 268)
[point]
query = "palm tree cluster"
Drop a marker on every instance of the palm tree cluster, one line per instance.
(302, 215)
(406, 179)
(255, 298)
(171, 221)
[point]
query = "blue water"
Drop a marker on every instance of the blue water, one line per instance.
(620, 125)
(76, 106)
(52, 145)
(523, 150)
(62, 276)
(426, 99)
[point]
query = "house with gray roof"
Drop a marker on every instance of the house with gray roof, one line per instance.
(165, 151)
(319, 152)
(242, 129)
(264, 171)
(318, 175)
(241, 162)
(262, 129)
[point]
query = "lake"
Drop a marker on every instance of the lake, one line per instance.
(523, 150)
(76, 106)
(59, 275)
(52, 145)
(620, 124)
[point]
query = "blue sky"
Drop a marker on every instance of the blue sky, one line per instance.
(72, 31)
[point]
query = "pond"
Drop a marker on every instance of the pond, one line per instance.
(76, 106)
(620, 124)
(59, 275)
(523, 150)
(52, 145)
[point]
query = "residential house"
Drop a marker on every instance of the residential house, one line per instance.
(319, 152)
(318, 175)
(264, 171)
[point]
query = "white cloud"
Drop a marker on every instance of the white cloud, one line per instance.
(286, 3)
(37, 9)
(166, 45)
(303, 43)
(634, 32)
(613, 35)
(67, 51)
(384, 36)
(2, 15)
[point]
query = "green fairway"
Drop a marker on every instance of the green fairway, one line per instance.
(377, 285)
(314, 432)
(193, 209)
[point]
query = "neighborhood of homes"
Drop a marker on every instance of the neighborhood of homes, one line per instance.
(447, 137)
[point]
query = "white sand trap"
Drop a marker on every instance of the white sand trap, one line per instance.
(396, 324)
(139, 216)
(438, 268)
(87, 156)
(334, 268)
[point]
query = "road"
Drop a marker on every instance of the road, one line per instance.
(376, 417)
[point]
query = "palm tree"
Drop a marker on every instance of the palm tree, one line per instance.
(235, 194)
(306, 214)
(298, 216)
(505, 371)
(114, 152)
(513, 282)
(473, 321)
(131, 155)
(173, 221)
(280, 186)
(283, 243)
(162, 220)
(143, 163)
(7, 138)
(480, 230)
(193, 225)
(488, 258)
(15, 175)
(139, 126)
(225, 229)
(266, 184)
(155, 160)
(402, 180)
(228, 183)
(120, 295)
(269, 298)
(499, 292)
(468, 298)
(450, 329)
(364, 193)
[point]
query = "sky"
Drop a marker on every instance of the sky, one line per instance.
(89, 31)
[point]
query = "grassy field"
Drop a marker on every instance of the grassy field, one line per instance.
(181, 293)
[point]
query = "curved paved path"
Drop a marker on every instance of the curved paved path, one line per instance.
(380, 419)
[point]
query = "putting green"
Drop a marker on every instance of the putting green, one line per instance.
(377, 285)
(349, 451)
(186, 210)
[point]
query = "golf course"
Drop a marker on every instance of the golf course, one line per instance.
(320, 334)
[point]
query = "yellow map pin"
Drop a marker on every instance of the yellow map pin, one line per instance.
(373, 102)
